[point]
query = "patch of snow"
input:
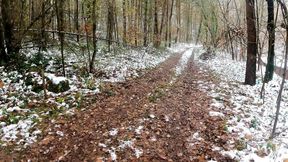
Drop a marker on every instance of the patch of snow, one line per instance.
(128, 65)
(113, 154)
(217, 104)
(60, 133)
(253, 119)
(153, 139)
(183, 62)
(197, 136)
(15, 109)
(22, 129)
(194, 139)
(138, 152)
(113, 132)
(55, 79)
(102, 145)
(17, 97)
(152, 116)
(139, 129)
(214, 113)
(167, 119)
(126, 144)
(179, 47)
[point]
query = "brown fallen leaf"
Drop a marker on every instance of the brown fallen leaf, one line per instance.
(249, 137)
(162, 154)
(99, 159)
(1, 84)
(201, 158)
(46, 140)
(31, 105)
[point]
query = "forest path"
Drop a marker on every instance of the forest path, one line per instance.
(161, 116)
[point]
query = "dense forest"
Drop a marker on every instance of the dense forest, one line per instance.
(31, 24)
(143, 80)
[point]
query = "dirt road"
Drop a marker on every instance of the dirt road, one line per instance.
(157, 117)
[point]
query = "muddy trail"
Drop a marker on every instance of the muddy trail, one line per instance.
(157, 117)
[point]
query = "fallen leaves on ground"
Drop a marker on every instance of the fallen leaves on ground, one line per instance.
(124, 125)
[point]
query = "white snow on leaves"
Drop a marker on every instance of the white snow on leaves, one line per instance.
(11, 132)
(55, 79)
(117, 66)
(183, 62)
(253, 119)
(113, 132)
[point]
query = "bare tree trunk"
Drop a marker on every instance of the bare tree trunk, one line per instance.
(167, 24)
(199, 30)
(170, 23)
(178, 7)
(188, 23)
(164, 16)
(87, 41)
(250, 76)
(76, 18)
(231, 44)
(43, 82)
(279, 98)
(3, 54)
(32, 11)
(43, 36)
(22, 14)
(60, 21)
(271, 52)
(145, 24)
(140, 22)
(124, 21)
(150, 22)
(135, 24)
(94, 25)
(110, 24)
(13, 44)
(156, 30)
(115, 22)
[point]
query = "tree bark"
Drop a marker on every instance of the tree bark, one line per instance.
(13, 45)
(164, 16)
(94, 25)
(76, 18)
(170, 23)
(60, 21)
(271, 52)
(250, 76)
(167, 24)
(279, 98)
(156, 30)
(178, 7)
(145, 24)
(3, 54)
(43, 42)
(124, 21)
(110, 24)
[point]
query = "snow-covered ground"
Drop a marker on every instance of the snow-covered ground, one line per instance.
(186, 56)
(183, 62)
(129, 144)
(21, 109)
(279, 54)
(253, 117)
